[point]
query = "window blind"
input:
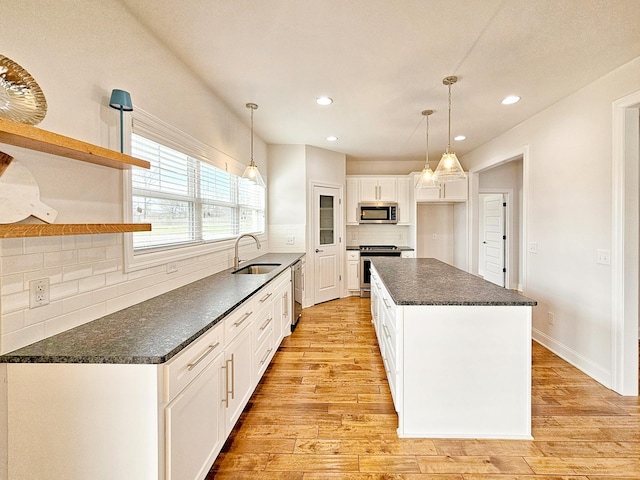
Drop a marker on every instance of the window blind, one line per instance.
(189, 201)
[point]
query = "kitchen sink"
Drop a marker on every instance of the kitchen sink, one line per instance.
(257, 268)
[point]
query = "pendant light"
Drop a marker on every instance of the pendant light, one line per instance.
(449, 168)
(251, 173)
(426, 180)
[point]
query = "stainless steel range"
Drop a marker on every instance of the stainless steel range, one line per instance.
(366, 252)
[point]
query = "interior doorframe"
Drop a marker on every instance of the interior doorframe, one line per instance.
(508, 229)
(625, 245)
(473, 209)
(310, 283)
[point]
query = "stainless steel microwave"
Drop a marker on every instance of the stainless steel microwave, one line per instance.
(377, 212)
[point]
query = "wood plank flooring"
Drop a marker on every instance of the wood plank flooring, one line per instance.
(323, 411)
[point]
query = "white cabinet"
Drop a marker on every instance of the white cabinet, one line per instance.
(237, 380)
(353, 270)
(195, 425)
(353, 197)
(455, 191)
(378, 189)
(405, 185)
(407, 254)
(282, 305)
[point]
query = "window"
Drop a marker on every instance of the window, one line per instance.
(189, 201)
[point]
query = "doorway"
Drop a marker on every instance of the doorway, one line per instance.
(625, 245)
(493, 263)
(327, 242)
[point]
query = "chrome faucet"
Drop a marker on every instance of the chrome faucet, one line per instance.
(236, 260)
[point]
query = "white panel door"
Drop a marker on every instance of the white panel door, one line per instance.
(326, 243)
(493, 242)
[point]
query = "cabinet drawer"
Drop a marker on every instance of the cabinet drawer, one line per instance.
(186, 366)
(390, 337)
(263, 325)
(264, 353)
(353, 255)
(392, 378)
(239, 318)
(388, 307)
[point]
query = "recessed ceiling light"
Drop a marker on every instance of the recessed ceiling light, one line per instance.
(324, 100)
(510, 100)
(459, 138)
(332, 138)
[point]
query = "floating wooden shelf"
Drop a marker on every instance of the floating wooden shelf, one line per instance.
(16, 230)
(26, 136)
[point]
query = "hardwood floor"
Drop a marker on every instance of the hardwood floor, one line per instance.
(323, 411)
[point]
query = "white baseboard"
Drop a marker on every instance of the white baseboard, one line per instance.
(595, 371)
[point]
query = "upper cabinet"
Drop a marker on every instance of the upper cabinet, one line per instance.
(456, 191)
(378, 189)
(33, 138)
(389, 188)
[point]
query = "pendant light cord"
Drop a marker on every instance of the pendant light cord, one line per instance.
(251, 152)
(427, 135)
(449, 138)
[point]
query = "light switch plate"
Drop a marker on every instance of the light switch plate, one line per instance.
(604, 257)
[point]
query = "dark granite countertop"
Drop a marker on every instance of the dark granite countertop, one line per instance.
(155, 330)
(427, 281)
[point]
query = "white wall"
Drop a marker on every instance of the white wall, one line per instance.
(287, 197)
(78, 52)
(570, 216)
(435, 231)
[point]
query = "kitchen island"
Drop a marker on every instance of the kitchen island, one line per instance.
(456, 350)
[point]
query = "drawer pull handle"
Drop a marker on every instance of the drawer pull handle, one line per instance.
(225, 400)
(210, 349)
(264, 299)
(266, 324)
(266, 355)
(386, 331)
(386, 304)
(239, 322)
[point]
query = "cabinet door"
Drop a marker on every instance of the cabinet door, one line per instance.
(237, 382)
(404, 200)
(456, 190)
(195, 426)
(353, 275)
(369, 190)
(387, 189)
(353, 193)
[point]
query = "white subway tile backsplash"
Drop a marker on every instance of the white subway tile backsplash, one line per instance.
(14, 302)
(94, 254)
(41, 314)
(87, 281)
(60, 259)
(22, 337)
(11, 246)
(12, 322)
(42, 244)
(77, 302)
(59, 324)
(75, 272)
(21, 263)
(12, 283)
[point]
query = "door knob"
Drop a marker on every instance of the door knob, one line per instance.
(319, 251)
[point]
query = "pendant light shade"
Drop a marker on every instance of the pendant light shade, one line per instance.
(426, 179)
(449, 168)
(251, 173)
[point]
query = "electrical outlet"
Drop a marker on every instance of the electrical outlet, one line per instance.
(38, 293)
(604, 257)
(291, 240)
(550, 318)
(533, 247)
(172, 267)
(434, 236)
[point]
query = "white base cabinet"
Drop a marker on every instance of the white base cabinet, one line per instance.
(144, 422)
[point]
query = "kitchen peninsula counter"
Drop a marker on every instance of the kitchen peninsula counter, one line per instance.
(456, 350)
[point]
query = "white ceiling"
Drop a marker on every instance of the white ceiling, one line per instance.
(383, 61)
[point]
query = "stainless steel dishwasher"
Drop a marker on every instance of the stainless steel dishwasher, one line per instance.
(297, 286)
